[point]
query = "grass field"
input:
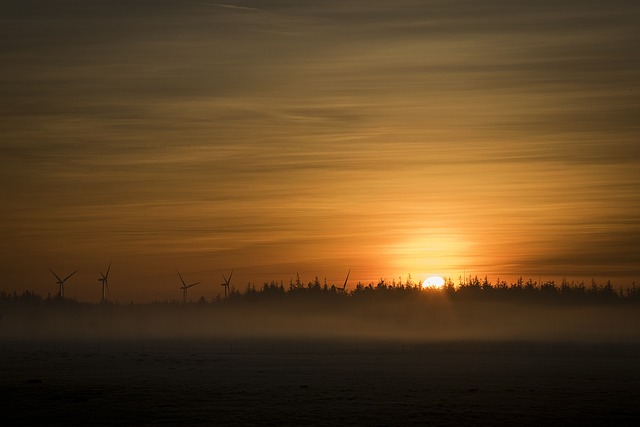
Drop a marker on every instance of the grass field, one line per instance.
(318, 382)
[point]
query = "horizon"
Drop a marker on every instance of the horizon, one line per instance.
(210, 290)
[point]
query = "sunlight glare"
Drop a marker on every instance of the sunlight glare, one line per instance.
(433, 282)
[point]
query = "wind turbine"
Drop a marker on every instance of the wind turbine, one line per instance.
(343, 288)
(184, 287)
(105, 283)
(60, 282)
(226, 283)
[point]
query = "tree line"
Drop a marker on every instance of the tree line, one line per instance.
(470, 288)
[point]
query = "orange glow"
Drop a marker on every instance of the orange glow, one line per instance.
(397, 153)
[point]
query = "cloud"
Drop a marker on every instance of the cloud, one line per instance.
(173, 125)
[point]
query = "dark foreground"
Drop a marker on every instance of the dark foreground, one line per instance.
(319, 383)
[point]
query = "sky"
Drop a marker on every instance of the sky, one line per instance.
(401, 137)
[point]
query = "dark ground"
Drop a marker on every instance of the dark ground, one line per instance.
(300, 382)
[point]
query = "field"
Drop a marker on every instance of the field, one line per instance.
(319, 382)
(345, 361)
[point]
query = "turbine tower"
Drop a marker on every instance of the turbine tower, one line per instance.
(60, 282)
(105, 284)
(225, 285)
(184, 287)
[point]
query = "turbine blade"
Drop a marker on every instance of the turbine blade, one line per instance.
(229, 281)
(55, 274)
(65, 279)
(108, 268)
(193, 284)
(345, 280)
(181, 279)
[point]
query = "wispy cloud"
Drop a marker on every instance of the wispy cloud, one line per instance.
(265, 133)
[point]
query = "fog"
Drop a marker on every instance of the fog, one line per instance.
(429, 318)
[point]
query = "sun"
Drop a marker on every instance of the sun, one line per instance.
(433, 282)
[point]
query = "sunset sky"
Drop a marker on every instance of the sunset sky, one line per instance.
(497, 138)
